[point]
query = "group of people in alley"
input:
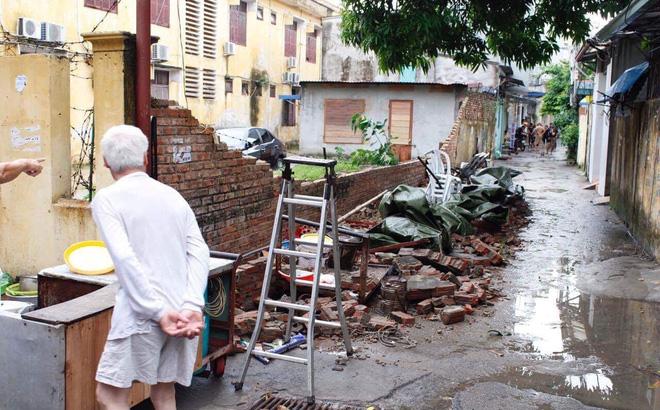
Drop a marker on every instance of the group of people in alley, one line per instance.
(540, 138)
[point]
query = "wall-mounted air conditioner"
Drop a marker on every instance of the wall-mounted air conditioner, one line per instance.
(53, 33)
(159, 53)
(30, 28)
(290, 78)
(291, 62)
(229, 48)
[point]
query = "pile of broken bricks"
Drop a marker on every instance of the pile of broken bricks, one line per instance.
(438, 287)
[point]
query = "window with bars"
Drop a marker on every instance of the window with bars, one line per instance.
(105, 5)
(273, 91)
(208, 84)
(238, 24)
(193, 26)
(288, 113)
(160, 12)
(290, 34)
(310, 50)
(273, 18)
(245, 87)
(229, 85)
(160, 85)
(260, 13)
(209, 46)
(192, 82)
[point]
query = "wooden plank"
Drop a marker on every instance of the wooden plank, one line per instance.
(85, 340)
(53, 291)
(76, 309)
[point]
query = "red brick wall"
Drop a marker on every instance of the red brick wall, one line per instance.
(234, 197)
(478, 109)
(231, 195)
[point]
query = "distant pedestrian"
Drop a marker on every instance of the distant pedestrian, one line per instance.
(538, 136)
(530, 136)
(519, 137)
(550, 139)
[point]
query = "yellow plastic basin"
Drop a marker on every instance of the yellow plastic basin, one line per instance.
(88, 258)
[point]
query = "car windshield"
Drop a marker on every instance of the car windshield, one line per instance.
(236, 138)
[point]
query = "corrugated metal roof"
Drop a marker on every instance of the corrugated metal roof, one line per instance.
(377, 83)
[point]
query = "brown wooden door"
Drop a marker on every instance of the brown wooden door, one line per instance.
(400, 127)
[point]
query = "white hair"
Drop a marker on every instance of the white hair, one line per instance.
(123, 147)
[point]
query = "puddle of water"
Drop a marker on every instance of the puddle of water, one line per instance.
(601, 351)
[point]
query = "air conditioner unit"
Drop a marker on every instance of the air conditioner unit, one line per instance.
(159, 52)
(229, 48)
(291, 62)
(290, 78)
(28, 28)
(53, 33)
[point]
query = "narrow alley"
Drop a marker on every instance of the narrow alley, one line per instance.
(579, 326)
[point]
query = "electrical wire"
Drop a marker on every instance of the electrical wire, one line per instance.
(115, 4)
(217, 298)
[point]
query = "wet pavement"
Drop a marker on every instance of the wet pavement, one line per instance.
(582, 308)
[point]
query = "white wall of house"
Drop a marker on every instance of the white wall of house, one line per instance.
(434, 111)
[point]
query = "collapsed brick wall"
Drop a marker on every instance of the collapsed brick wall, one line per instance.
(474, 128)
(234, 197)
(231, 195)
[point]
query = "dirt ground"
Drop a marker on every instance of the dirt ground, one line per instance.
(582, 307)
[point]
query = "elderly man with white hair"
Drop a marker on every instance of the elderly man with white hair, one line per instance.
(161, 261)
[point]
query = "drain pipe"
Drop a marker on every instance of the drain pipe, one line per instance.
(143, 73)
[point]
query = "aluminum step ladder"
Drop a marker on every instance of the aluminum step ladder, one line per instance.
(328, 210)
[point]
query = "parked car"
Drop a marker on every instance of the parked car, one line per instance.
(255, 142)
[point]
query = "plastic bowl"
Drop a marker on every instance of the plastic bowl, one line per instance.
(101, 265)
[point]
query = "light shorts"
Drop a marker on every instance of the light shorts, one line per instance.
(149, 358)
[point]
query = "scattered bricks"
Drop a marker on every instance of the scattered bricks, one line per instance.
(362, 317)
(424, 307)
(328, 314)
(463, 279)
(422, 253)
(385, 258)
(467, 287)
(271, 331)
(468, 309)
(452, 314)
(421, 287)
(408, 264)
(429, 271)
(447, 300)
(484, 283)
(473, 260)
(245, 322)
(481, 294)
(403, 318)
(463, 298)
(455, 265)
(361, 308)
(406, 251)
(377, 322)
(477, 271)
(488, 238)
(437, 302)
(481, 248)
(346, 295)
(496, 259)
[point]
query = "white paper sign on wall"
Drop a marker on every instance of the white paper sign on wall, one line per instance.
(21, 82)
(182, 154)
(26, 139)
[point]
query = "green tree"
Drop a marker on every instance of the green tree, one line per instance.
(404, 33)
(557, 102)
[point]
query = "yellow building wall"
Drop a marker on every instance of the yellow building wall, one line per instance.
(264, 51)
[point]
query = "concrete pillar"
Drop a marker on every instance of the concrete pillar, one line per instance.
(603, 167)
(34, 123)
(114, 90)
(597, 119)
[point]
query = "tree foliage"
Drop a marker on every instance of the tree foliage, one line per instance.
(557, 102)
(404, 33)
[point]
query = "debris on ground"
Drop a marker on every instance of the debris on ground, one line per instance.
(427, 263)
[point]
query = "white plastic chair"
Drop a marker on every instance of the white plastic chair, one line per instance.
(444, 184)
